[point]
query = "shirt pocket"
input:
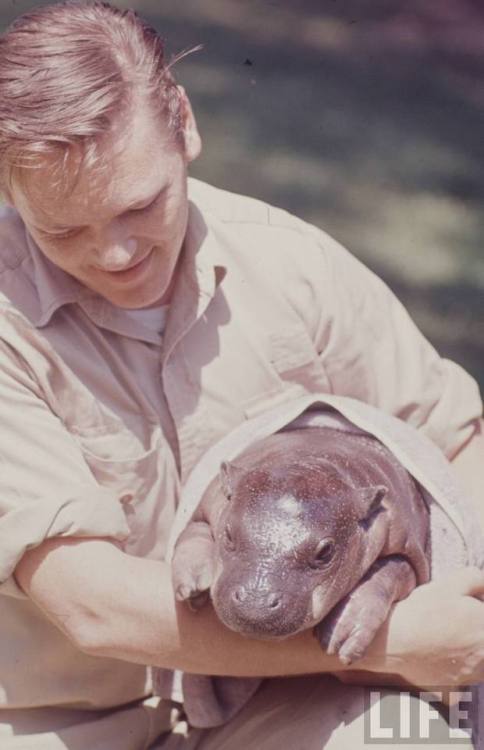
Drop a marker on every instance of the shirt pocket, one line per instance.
(119, 462)
(295, 359)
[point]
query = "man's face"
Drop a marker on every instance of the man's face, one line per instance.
(121, 229)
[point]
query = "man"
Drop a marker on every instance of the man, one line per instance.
(142, 319)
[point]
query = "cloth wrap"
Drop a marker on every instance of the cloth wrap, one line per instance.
(455, 538)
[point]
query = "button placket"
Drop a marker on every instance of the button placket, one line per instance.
(195, 289)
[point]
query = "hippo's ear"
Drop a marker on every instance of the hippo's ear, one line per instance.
(228, 474)
(371, 502)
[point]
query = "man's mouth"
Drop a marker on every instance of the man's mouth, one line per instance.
(130, 271)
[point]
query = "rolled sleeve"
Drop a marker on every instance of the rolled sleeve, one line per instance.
(46, 488)
(372, 351)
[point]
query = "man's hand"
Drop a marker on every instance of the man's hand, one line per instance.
(436, 635)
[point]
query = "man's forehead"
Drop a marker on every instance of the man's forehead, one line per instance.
(59, 198)
(124, 167)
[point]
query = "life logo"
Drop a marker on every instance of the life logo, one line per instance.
(420, 717)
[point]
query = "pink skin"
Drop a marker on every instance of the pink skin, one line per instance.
(121, 230)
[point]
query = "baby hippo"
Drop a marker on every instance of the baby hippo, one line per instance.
(308, 528)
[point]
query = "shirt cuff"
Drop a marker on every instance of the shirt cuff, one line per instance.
(91, 511)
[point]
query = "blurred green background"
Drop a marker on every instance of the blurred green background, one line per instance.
(365, 117)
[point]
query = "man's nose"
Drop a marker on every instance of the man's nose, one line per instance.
(116, 253)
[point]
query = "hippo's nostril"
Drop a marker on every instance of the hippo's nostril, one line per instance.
(274, 601)
(239, 594)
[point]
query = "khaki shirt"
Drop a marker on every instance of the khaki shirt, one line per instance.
(102, 419)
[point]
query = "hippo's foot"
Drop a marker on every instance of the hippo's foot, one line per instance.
(193, 565)
(351, 626)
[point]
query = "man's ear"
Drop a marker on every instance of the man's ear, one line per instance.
(193, 142)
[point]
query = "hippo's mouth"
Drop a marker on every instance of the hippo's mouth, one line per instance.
(255, 617)
(264, 632)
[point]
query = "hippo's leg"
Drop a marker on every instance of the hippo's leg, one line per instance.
(193, 564)
(351, 626)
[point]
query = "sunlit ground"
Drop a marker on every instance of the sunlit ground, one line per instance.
(365, 117)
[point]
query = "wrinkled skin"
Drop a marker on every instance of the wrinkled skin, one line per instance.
(308, 528)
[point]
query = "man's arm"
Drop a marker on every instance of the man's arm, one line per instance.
(113, 605)
(371, 350)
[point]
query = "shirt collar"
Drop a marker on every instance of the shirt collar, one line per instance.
(199, 274)
(54, 287)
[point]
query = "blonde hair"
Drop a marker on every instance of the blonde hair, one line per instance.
(66, 73)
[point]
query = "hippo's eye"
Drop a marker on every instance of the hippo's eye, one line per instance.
(324, 553)
(228, 539)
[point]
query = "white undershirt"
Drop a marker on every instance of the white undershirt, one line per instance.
(153, 318)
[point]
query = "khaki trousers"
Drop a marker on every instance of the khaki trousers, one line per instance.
(298, 713)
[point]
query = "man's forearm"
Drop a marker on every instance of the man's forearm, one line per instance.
(114, 605)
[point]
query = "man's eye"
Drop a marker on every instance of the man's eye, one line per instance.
(157, 199)
(65, 235)
(59, 235)
(144, 208)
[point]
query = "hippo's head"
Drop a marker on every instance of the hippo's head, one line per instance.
(291, 541)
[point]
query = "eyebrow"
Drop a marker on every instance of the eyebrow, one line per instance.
(140, 202)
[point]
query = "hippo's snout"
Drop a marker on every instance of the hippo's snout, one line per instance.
(255, 612)
(261, 611)
(271, 600)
